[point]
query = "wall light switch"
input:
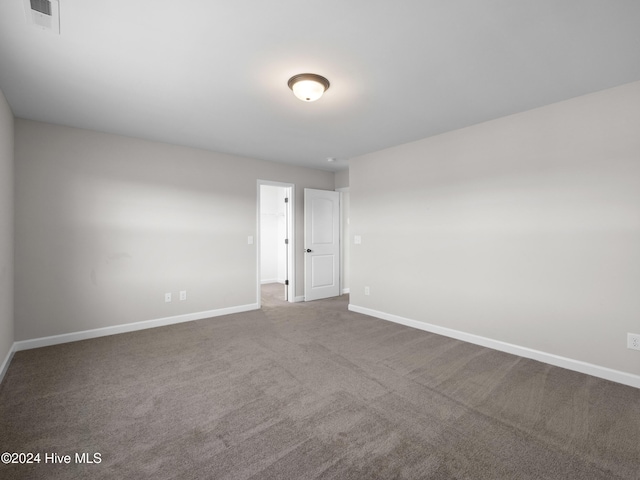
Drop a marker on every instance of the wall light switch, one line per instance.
(250, 240)
(357, 239)
(167, 297)
(183, 295)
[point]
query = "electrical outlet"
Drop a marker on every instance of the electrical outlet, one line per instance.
(167, 297)
(633, 341)
(183, 295)
(367, 291)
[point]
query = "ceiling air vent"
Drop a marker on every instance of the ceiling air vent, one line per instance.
(44, 14)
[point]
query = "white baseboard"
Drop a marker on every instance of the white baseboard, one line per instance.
(129, 327)
(5, 363)
(269, 280)
(568, 363)
(345, 291)
(299, 298)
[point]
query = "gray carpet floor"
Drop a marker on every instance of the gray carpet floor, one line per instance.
(310, 391)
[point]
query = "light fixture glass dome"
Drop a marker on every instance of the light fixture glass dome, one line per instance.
(308, 87)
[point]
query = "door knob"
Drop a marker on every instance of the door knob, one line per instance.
(308, 250)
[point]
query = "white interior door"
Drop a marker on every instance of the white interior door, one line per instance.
(322, 244)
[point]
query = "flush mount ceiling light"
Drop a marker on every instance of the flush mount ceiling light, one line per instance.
(308, 87)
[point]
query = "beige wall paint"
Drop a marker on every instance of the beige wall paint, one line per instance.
(106, 224)
(6, 230)
(342, 185)
(342, 179)
(524, 230)
(345, 246)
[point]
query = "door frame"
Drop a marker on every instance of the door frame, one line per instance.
(291, 257)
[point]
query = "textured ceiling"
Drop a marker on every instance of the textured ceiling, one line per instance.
(213, 74)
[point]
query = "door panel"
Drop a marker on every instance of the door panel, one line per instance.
(322, 244)
(323, 274)
(321, 221)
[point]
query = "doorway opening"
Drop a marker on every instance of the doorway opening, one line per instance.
(276, 269)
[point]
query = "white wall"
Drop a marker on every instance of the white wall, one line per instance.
(106, 224)
(345, 245)
(342, 185)
(342, 179)
(6, 231)
(525, 229)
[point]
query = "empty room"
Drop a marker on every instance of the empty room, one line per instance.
(339, 240)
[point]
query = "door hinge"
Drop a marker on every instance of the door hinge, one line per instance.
(286, 282)
(286, 200)
(286, 241)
